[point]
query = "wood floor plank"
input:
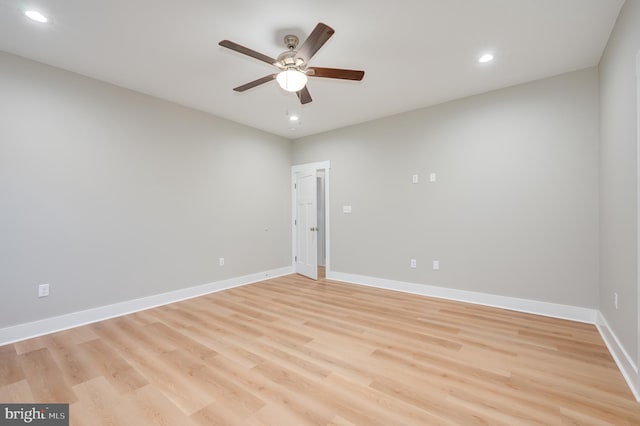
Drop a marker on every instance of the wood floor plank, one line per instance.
(10, 369)
(29, 345)
(209, 382)
(217, 414)
(379, 404)
(292, 351)
(180, 340)
(156, 409)
(98, 404)
(177, 385)
(298, 406)
(113, 367)
(70, 358)
(16, 392)
(46, 380)
(225, 344)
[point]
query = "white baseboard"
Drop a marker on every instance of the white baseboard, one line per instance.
(556, 310)
(627, 366)
(63, 322)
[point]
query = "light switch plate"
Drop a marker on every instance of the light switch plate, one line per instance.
(346, 209)
(414, 178)
(43, 290)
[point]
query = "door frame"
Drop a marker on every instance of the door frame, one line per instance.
(326, 167)
(638, 213)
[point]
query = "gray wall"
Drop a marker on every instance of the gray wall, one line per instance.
(110, 195)
(514, 210)
(618, 178)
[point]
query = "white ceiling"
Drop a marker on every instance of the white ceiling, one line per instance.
(415, 53)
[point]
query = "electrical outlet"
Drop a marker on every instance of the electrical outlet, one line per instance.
(615, 300)
(414, 178)
(432, 177)
(413, 263)
(43, 290)
(221, 261)
(436, 265)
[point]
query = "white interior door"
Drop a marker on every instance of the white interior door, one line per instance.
(306, 224)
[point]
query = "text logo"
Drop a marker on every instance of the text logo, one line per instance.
(34, 414)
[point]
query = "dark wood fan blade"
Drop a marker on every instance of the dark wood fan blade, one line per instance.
(335, 73)
(255, 83)
(304, 95)
(246, 51)
(318, 37)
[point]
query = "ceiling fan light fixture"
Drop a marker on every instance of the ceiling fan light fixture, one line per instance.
(291, 79)
(292, 65)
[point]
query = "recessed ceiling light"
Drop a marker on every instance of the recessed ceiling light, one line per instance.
(487, 57)
(36, 16)
(294, 118)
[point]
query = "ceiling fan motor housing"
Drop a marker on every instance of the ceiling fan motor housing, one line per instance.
(291, 41)
(288, 60)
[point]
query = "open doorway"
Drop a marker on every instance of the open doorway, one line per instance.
(310, 219)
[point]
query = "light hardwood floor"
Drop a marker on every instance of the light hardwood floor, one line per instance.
(290, 351)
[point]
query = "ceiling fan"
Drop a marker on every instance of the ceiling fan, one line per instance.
(293, 64)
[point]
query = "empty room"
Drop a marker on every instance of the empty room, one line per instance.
(323, 213)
